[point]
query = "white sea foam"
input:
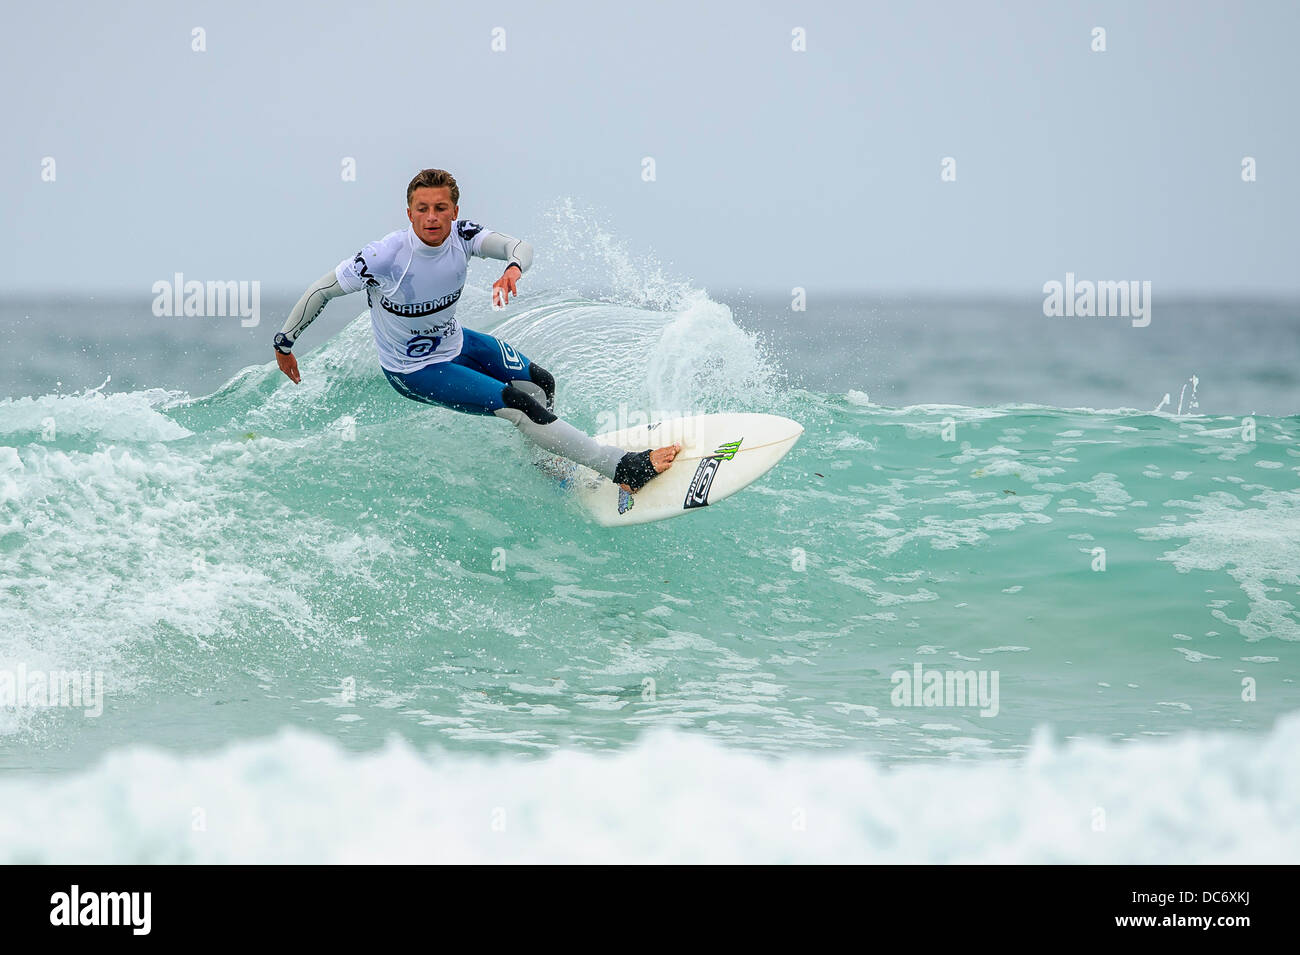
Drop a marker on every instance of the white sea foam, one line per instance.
(672, 797)
(1258, 546)
(118, 416)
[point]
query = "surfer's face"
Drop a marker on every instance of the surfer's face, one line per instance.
(431, 213)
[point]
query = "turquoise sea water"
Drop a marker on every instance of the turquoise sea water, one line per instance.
(333, 566)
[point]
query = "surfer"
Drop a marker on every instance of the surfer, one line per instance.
(412, 279)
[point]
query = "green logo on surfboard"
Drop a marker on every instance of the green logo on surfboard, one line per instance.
(727, 451)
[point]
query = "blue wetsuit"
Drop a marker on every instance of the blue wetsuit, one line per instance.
(472, 381)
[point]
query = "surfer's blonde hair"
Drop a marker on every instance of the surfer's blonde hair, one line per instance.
(434, 178)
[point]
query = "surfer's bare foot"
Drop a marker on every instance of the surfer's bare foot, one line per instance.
(661, 459)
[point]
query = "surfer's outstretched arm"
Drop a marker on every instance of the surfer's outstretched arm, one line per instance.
(304, 313)
(519, 255)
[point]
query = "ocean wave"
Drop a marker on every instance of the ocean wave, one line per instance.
(331, 530)
(673, 797)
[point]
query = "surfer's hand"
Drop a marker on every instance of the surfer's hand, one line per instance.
(289, 365)
(504, 287)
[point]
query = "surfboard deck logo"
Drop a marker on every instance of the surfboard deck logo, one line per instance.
(727, 451)
(697, 495)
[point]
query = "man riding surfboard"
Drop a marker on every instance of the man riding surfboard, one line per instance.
(412, 279)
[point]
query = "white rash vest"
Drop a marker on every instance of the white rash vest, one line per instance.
(412, 289)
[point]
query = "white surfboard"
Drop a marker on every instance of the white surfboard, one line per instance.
(721, 454)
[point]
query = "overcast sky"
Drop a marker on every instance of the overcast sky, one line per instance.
(774, 168)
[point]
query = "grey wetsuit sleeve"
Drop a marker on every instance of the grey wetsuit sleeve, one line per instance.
(309, 306)
(498, 245)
